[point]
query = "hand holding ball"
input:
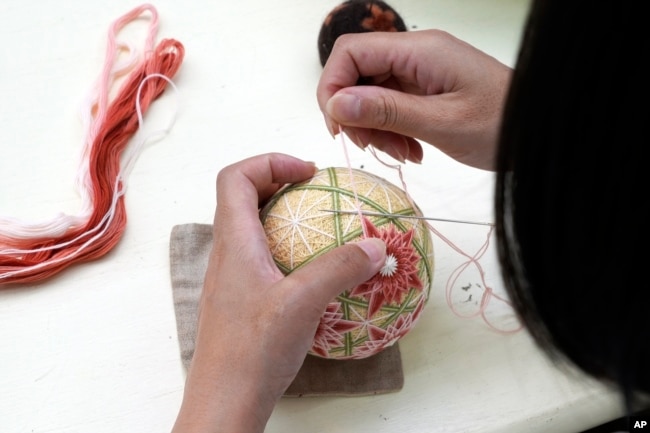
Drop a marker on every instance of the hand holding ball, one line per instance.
(372, 316)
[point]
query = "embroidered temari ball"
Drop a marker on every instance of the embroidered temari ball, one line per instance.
(368, 318)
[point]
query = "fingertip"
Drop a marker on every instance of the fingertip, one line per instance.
(344, 107)
(396, 153)
(333, 127)
(416, 153)
(375, 249)
(352, 134)
(399, 147)
(337, 270)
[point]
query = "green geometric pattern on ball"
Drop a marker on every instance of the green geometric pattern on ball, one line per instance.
(299, 230)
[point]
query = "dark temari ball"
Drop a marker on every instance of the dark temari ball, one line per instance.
(357, 16)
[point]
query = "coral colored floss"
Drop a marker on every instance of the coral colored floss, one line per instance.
(110, 125)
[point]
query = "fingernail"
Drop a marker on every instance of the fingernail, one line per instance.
(313, 164)
(332, 126)
(345, 107)
(375, 249)
(414, 159)
(354, 137)
(392, 151)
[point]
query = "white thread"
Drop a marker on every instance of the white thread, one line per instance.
(92, 116)
(390, 266)
(108, 217)
(62, 223)
(106, 220)
(132, 153)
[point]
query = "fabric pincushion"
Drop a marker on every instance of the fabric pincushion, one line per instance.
(374, 315)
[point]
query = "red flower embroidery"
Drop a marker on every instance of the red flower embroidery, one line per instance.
(331, 328)
(399, 274)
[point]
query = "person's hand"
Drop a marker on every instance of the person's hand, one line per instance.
(424, 85)
(255, 325)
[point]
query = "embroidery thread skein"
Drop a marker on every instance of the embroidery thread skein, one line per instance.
(32, 255)
(93, 114)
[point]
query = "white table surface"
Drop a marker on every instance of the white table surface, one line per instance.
(94, 349)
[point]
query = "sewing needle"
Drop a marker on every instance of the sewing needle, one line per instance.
(389, 215)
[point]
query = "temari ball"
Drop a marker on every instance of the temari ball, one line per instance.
(366, 319)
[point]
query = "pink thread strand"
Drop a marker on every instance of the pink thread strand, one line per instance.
(488, 293)
(353, 185)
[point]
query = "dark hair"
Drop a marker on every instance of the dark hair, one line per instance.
(570, 190)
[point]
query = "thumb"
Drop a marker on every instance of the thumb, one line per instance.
(341, 269)
(375, 107)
